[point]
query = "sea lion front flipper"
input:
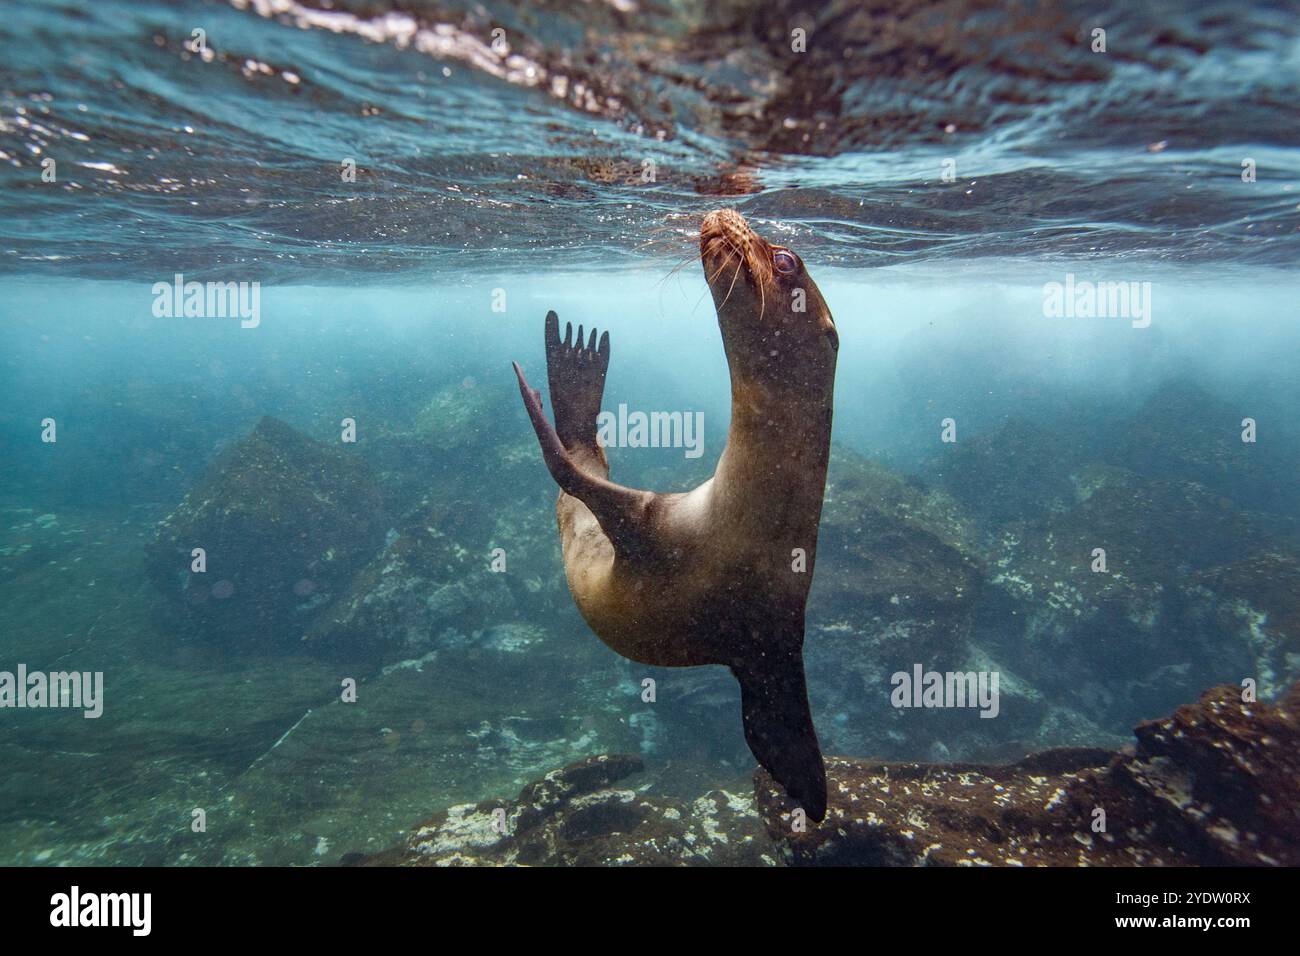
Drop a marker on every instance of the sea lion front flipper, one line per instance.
(622, 512)
(779, 727)
(576, 375)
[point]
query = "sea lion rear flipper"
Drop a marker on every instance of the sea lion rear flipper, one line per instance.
(779, 727)
(621, 511)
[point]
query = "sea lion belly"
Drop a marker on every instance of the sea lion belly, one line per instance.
(653, 612)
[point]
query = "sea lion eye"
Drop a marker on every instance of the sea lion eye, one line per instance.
(785, 262)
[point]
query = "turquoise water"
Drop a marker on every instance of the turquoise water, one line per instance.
(486, 195)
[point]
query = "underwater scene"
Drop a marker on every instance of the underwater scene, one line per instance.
(649, 432)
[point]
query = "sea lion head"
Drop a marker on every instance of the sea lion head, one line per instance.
(776, 328)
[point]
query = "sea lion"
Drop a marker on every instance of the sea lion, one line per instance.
(720, 574)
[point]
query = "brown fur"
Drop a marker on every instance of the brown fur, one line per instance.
(706, 577)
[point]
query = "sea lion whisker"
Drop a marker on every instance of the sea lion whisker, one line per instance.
(685, 260)
(740, 265)
(664, 242)
(698, 301)
(724, 265)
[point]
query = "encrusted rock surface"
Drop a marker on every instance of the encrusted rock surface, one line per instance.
(894, 555)
(1255, 603)
(1229, 772)
(1121, 644)
(285, 522)
(1215, 783)
(420, 585)
(1018, 469)
(589, 814)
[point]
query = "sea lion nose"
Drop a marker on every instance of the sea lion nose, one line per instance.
(711, 225)
(722, 221)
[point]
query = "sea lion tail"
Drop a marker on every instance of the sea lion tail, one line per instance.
(779, 727)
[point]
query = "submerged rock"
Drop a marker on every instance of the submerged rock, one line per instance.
(28, 541)
(421, 584)
(456, 417)
(1003, 476)
(1216, 783)
(1122, 641)
(893, 565)
(890, 549)
(588, 814)
(896, 585)
(481, 488)
(284, 522)
(1254, 604)
(1183, 431)
(1195, 588)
